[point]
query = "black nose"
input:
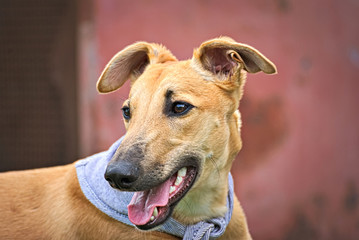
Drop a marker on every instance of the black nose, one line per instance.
(122, 175)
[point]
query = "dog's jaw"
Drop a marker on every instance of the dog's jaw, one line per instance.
(207, 198)
(204, 201)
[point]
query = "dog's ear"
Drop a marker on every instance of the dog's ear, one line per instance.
(130, 63)
(223, 56)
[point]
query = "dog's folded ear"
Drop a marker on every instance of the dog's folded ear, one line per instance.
(224, 56)
(130, 63)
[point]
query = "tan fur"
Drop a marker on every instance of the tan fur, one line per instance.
(48, 203)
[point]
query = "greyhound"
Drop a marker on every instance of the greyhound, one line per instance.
(183, 133)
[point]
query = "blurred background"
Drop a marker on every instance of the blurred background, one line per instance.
(297, 175)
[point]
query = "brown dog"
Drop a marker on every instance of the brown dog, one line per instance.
(181, 119)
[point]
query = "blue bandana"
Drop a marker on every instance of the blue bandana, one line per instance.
(90, 173)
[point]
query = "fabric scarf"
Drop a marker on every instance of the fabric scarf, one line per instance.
(90, 173)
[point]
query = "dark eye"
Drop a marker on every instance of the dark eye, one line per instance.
(126, 113)
(180, 108)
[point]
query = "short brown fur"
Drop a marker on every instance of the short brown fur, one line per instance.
(49, 204)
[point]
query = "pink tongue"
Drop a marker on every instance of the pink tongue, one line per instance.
(143, 203)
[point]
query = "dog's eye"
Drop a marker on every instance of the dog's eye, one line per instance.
(126, 113)
(180, 108)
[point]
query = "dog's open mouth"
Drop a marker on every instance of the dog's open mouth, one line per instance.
(152, 207)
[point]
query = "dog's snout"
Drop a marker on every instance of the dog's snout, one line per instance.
(122, 176)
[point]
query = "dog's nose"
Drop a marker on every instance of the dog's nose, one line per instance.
(122, 175)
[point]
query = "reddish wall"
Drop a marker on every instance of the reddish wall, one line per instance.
(298, 173)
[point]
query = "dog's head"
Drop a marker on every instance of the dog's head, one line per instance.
(183, 127)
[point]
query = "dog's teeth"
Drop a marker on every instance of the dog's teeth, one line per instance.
(155, 213)
(182, 172)
(172, 189)
(179, 179)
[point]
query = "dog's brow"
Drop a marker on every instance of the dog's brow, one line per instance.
(127, 102)
(168, 101)
(169, 94)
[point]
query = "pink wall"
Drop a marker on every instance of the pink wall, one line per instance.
(298, 173)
